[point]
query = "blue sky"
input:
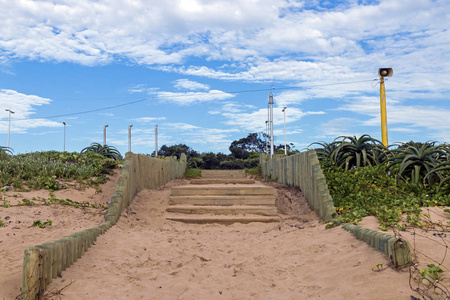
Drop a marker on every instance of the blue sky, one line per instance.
(203, 70)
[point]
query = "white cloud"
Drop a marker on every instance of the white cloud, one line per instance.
(148, 119)
(404, 129)
(147, 32)
(341, 127)
(181, 126)
(411, 117)
(312, 46)
(140, 88)
(23, 107)
(190, 85)
(265, 40)
(193, 97)
(215, 138)
(160, 32)
(294, 97)
(255, 120)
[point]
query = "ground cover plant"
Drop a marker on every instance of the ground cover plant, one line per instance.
(40, 224)
(365, 178)
(53, 170)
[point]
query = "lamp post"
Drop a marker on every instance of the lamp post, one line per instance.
(384, 72)
(156, 140)
(267, 136)
(284, 111)
(64, 123)
(129, 138)
(271, 123)
(104, 135)
(9, 123)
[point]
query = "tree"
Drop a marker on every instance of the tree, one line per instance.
(210, 160)
(176, 150)
(254, 142)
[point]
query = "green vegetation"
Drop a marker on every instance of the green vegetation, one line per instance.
(41, 224)
(440, 168)
(365, 178)
(244, 154)
(51, 169)
(431, 274)
(193, 173)
(104, 150)
(255, 172)
(350, 152)
(5, 151)
(53, 200)
(416, 160)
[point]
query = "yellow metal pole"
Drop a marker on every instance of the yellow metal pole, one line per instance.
(384, 134)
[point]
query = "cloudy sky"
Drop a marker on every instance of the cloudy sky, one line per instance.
(203, 70)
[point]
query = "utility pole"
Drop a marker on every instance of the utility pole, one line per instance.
(267, 136)
(384, 72)
(9, 123)
(64, 149)
(284, 111)
(156, 140)
(129, 138)
(104, 135)
(271, 124)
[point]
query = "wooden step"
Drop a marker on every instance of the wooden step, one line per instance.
(223, 173)
(224, 210)
(222, 189)
(214, 200)
(223, 219)
(222, 181)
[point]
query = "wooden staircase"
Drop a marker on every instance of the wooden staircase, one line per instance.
(224, 196)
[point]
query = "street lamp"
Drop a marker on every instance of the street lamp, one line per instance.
(284, 111)
(267, 136)
(104, 135)
(64, 123)
(156, 140)
(271, 124)
(129, 138)
(9, 123)
(384, 72)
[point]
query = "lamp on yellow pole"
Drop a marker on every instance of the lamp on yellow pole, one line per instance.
(384, 72)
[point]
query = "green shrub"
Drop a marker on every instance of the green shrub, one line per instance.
(46, 169)
(365, 191)
(193, 173)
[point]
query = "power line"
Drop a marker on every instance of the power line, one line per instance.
(195, 94)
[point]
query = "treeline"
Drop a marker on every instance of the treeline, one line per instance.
(244, 154)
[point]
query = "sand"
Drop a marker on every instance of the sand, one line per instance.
(146, 257)
(17, 234)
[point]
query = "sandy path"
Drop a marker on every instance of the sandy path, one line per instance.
(17, 234)
(146, 257)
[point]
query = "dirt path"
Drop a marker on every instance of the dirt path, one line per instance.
(146, 257)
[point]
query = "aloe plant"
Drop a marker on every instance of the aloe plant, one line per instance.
(356, 152)
(416, 160)
(104, 150)
(6, 150)
(439, 170)
(325, 150)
